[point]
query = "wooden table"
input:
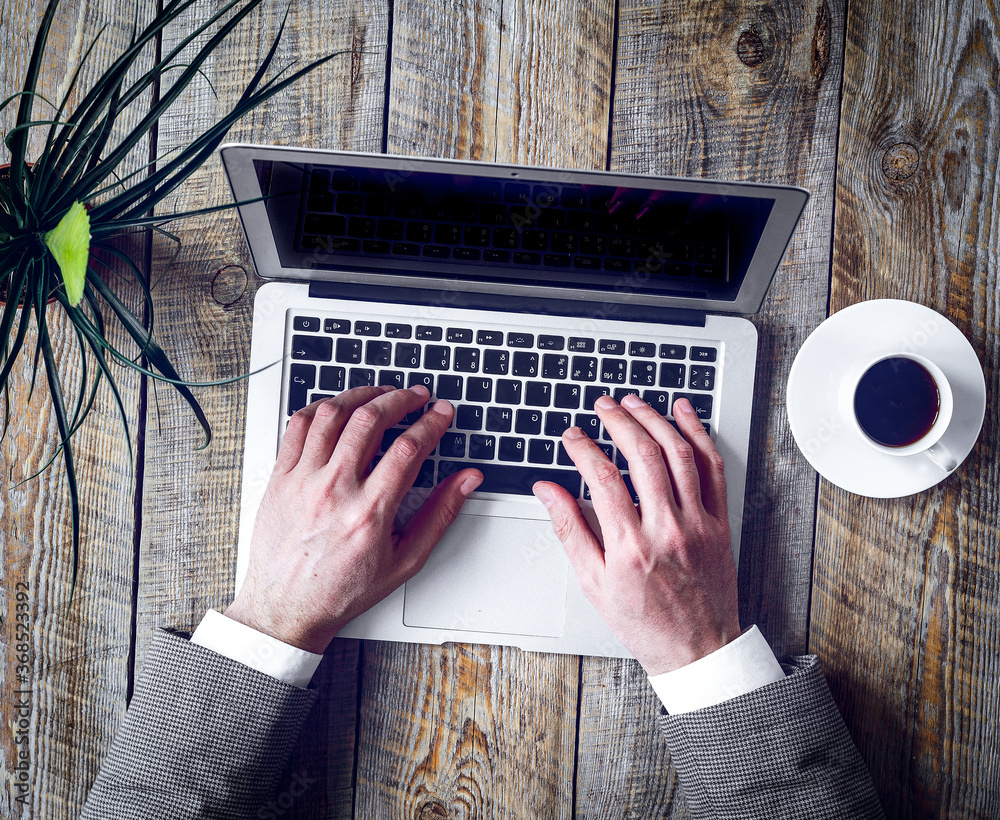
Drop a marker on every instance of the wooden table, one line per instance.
(887, 112)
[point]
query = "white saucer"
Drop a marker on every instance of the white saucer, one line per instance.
(831, 443)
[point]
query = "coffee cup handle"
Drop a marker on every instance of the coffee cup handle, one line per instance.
(942, 456)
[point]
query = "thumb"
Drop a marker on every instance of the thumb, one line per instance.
(582, 546)
(429, 523)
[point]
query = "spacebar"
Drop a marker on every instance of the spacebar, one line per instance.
(511, 478)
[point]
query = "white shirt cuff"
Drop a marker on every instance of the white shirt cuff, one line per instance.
(740, 666)
(246, 645)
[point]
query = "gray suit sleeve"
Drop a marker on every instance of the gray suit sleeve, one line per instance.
(204, 737)
(780, 751)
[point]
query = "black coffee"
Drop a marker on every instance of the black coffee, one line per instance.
(896, 402)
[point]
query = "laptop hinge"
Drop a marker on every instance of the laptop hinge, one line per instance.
(507, 303)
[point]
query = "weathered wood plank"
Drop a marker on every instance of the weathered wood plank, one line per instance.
(78, 659)
(737, 91)
(204, 299)
(907, 592)
(469, 730)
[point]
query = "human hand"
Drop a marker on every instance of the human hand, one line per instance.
(325, 547)
(664, 578)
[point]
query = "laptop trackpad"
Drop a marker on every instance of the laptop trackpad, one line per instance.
(492, 574)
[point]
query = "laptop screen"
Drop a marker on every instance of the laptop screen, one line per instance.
(563, 233)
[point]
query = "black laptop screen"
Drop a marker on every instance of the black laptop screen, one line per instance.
(561, 234)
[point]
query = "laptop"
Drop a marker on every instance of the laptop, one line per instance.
(521, 295)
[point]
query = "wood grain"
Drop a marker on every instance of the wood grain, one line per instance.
(78, 667)
(470, 730)
(906, 592)
(204, 300)
(743, 91)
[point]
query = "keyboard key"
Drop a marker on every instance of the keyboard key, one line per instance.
(360, 377)
(617, 265)
(437, 357)
(389, 438)
(378, 353)
(514, 478)
(572, 198)
(405, 249)
(584, 368)
(425, 477)
(429, 333)
(491, 255)
(376, 246)
(482, 447)
(448, 234)
(508, 391)
(459, 335)
(499, 419)
(613, 370)
(407, 355)
(437, 251)
(556, 423)
(391, 229)
(701, 377)
(541, 450)
(364, 328)
(528, 422)
(703, 354)
(331, 379)
(537, 394)
(467, 359)
(643, 349)
(643, 373)
(419, 231)
(452, 445)
(562, 457)
(701, 403)
(313, 348)
(658, 400)
(449, 387)
(590, 424)
(561, 242)
(517, 339)
(361, 227)
(587, 262)
(476, 235)
(557, 260)
(621, 392)
(554, 366)
(426, 379)
(672, 375)
(525, 258)
(495, 362)
(594, 244)
(592, 394)
(306, 323)
(511, 449)
(465, 254)
(391, 377)
(478, 389)
(396, 331)
(301, 379)
(469, 417)
(551, 342)
(620, 461)
(348, 351)
(567, 396)
(525, 365)
(489, 337)
(505, 238)
(336, 325)
(578, 345)
(378, 205)
(611, 347)
(631, 488)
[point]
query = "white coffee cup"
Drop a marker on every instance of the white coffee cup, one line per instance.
(929, 444)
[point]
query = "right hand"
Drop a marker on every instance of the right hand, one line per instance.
(663, 578)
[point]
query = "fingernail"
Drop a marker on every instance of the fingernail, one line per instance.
(386, 388)
(605, 402)
(574, 432)
(632, 400)
(642, 212)
(470, 484)
(543, 494)
(615, 206)
(684, 406)
(442, 407)
(419, 388)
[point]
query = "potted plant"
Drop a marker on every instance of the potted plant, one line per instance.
(61, 211)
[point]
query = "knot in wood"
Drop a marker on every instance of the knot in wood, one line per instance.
(431, 810)
(750, 48)
(900, 162)
(229, 284)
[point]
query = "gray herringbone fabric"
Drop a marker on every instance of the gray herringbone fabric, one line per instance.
(781, 751)
(204, 736)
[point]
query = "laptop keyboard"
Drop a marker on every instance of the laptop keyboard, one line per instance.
(514, 392)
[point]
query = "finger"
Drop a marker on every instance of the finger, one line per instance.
(362, 434)
(612, 501)
(582, 546)
(395, 473)
(711, 467)
(429, 523)
(294, 438)
(645, 456)
(676, 451)
(329, 419)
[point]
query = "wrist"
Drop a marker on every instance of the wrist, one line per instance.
(675, 654)
(291, 631)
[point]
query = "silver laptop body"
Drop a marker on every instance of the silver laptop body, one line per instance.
(377, 257)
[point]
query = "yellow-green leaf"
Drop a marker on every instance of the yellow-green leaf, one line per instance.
(69, 243)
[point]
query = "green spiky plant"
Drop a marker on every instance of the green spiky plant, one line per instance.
(73, 199)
